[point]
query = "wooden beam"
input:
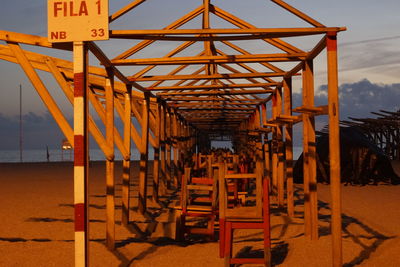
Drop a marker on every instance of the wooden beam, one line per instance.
(298, 13)
(176, 24)
(254, 58)
(125, 10)
(43, 93)
(35, 40)
(69, 93)
(208, 77)
(212, 34)
(225, 92)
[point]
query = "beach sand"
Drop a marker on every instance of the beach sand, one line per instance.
(36, 208)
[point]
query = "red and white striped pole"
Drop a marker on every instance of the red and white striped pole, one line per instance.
(80, 154)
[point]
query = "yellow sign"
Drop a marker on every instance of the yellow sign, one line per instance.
(77, 20)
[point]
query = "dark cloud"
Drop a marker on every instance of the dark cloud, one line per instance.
(357, 100)
(360, 98)
(37, 131)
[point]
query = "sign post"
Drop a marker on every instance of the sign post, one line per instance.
(79, 21)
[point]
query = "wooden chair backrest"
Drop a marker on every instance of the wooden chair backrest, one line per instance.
(223, 176)
(198, 183)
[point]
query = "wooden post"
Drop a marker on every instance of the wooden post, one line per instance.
(176, 149)
(163, 185)
(156, 162)
(168, 147)
(287, 105)
(279, 142)
(274, 149)
(81, 165)
(309, 155)
(334, 149)
(144, 155)
(110, 183)
(126, 165)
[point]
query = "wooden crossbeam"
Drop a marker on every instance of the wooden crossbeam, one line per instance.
(212, 86)
(201, 103)
(211, 34)
(255, 58)
(226, 92)
(208, 77)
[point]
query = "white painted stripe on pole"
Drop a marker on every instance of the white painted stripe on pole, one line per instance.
(80, 249)
(78, 58)
(78, 115)
(79, 184)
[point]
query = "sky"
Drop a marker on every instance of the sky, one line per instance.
(369, 53)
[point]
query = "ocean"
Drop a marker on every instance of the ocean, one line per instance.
(40, 155)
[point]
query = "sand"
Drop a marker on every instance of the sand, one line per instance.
(36, 208)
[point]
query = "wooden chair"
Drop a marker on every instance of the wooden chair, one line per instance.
(198, 199)
(244, 217)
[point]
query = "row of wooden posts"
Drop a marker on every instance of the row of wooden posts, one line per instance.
(170, 133)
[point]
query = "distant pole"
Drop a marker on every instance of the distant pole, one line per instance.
(20, 123)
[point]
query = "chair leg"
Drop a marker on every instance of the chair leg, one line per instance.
(221, 237)
(210, 227)
(180, 221)
(228, 243)
(267, 244)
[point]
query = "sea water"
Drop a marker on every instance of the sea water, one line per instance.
(40, 155)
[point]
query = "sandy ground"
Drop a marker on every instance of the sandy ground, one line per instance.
(36, 211)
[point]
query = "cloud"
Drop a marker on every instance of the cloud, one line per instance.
(370, 41)
(368, 54)
(356, 100)
(37, 131)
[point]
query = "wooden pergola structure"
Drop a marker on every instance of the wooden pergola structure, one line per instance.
(223, 90)
(383, 130)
